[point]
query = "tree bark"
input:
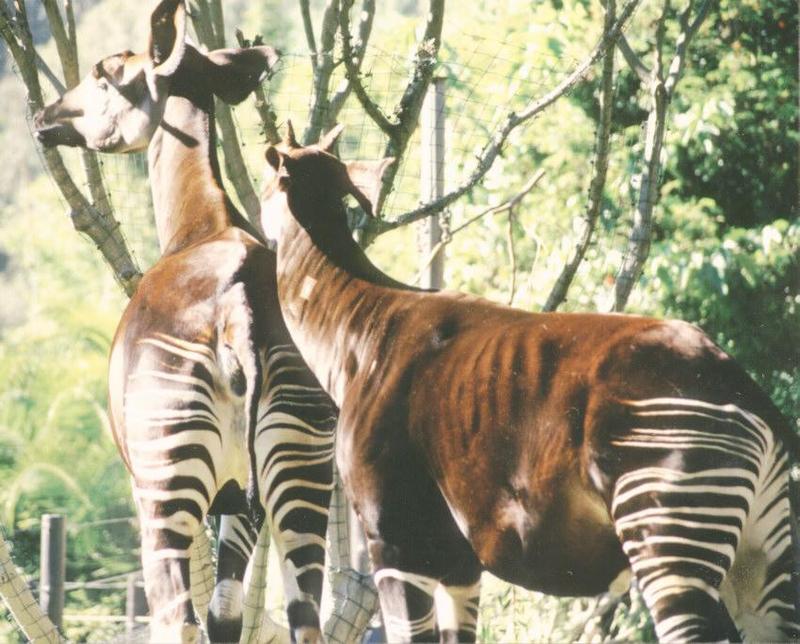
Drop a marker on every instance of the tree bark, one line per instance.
(322, 68)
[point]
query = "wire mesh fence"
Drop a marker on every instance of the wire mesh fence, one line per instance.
(471, 119)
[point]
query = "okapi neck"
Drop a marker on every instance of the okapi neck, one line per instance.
(329, 235)
(189, 202)
(325, 295)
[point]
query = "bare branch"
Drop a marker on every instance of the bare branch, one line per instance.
(20, 11)
(263, 107)
(559, 291)
(322, 68)
(235, 167)
(97, 222)
(67, 52)
(8, 33)
(353, 68)
(507, 206)
(512, 256)
(200, 13)
(67, 47)
(639, 241)
(658, 52)
(48, 73)
(634, 62)
(399, 128)
(492, 148)
(568, 83)
(367, 16)
(218, 24)
(410, 104)
(308, 27)
(685, 36)
(427, 54)
(72, 35)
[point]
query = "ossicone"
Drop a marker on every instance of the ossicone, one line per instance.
(290, 139)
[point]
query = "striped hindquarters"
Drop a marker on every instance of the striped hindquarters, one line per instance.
(702, 511)
(181, 437)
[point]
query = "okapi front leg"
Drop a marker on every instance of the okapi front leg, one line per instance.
(457, 611)
(407, 604)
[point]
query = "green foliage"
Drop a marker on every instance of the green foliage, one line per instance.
(56, 454)
(740, 140)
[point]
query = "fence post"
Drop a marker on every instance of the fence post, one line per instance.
(52, 562)
(135, 601)
(432, 132)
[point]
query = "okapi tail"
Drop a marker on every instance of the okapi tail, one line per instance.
(780, 488)
(240, 372)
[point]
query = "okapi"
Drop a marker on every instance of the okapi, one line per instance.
(210, 400)
(558, 451)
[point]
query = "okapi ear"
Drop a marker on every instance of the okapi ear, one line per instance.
(167, 36)
(234, 73)
(328, 142)
(274, 157)
(366, 179)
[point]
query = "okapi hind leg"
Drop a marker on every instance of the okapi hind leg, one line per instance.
(678, 575)
(293, 447)
(237, 537)
(166, 547)
(701, 497)
(680, 531)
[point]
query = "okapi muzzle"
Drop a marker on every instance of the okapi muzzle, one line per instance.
(53, 125)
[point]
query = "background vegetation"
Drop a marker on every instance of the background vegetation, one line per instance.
(725, 255)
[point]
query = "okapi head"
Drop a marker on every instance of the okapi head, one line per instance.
(313, 183)
(120, 103)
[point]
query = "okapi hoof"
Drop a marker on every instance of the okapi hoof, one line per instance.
(225, 612)
(223, 631)
(304, 622)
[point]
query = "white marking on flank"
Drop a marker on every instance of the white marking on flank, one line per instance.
(308, 286)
